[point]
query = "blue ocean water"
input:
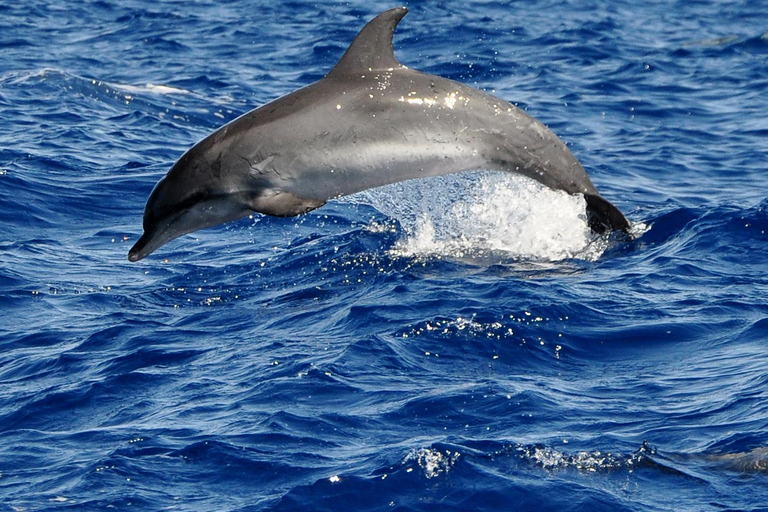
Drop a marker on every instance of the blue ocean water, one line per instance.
(453, 344)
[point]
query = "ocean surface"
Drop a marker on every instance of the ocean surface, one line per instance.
(460, 343)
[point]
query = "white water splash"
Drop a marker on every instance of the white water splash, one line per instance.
(486, 216)
(432, 462)
(550, 458)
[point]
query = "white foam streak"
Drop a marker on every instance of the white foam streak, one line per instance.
(490, 216)
(153, 88)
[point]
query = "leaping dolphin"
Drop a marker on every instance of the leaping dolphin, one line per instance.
(370, 122)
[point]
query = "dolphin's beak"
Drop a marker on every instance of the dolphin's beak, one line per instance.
(158, 235)
(210, 211)
(138, 251)
(145, 246)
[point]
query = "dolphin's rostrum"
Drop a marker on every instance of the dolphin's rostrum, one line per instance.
(370, 122)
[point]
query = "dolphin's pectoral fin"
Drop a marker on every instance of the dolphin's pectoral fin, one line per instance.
(602, 216)
(372, 48)
(283, 204)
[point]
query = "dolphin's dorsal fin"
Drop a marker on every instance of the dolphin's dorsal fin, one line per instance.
(372, 48)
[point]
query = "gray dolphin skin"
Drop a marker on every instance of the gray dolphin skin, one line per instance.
(370, 122)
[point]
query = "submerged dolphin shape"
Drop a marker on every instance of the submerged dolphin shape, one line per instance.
(370, 122)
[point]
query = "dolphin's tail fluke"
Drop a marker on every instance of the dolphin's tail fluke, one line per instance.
(602, 216)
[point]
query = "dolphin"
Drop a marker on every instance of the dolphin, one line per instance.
(370, 122)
